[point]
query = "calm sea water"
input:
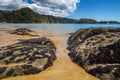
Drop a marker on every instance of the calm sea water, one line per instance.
(56, 28)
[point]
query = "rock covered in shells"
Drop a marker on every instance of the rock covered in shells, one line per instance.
(26, 57)
(97, 50)
(21, 31)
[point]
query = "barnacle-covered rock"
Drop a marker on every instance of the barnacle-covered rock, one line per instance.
(97, 50)
(26, 57)
(21, 31)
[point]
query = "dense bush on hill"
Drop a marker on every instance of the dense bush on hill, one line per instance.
(85, 20)
(26, 15)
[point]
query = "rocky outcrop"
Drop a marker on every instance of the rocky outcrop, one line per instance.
(21, 31)
(97, 50)
(26, 57)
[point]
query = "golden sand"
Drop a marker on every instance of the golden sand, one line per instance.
(62, 69)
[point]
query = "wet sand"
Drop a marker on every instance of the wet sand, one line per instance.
(62, 69)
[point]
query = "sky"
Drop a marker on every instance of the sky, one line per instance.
(101, 10)
(98, 9)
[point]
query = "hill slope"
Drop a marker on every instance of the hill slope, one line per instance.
(85, 20)
(26, 15)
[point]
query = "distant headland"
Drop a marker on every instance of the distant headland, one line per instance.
(26, 15)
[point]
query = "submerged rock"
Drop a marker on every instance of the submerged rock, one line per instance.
(26, 57)
(97, 50)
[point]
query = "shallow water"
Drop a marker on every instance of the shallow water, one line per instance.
(56, 28)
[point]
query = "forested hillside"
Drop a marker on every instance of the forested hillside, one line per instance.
(26, 15)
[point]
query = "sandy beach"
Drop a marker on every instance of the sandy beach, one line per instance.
(62, 69)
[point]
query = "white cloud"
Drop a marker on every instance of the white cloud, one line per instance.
(11, 4)
(60, 8)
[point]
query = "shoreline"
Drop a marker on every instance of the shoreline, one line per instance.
(62, 69)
